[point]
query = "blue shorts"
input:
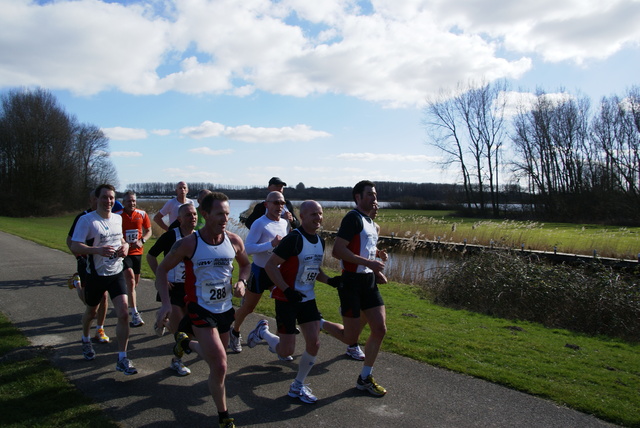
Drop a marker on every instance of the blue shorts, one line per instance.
(259, 282)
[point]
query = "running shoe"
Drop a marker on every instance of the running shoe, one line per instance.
(255, 336)
(227, 423)
(136, 320)
(355, 352)
(179, 349)
(302, 391)
(235, 342)
(87, 351)
(126, 366)
(160, 331)
(178, 366)
(288, 358)
(370, 385)
(100, 336)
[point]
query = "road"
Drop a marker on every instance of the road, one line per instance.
(35, 297)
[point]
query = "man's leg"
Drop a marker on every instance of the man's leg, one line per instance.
(249, 304)
(210, 347)
(378, 324)
(122, 327)
(103, 307)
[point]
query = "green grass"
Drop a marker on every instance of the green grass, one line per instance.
(35, 394)
(602, 377)
(608, 241)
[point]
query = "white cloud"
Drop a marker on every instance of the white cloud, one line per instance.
(161, 132)
(210, 152)
(124, 134)
(396, 53)
(516, 102)
(126, 154)
(387, 157)
(250, 134)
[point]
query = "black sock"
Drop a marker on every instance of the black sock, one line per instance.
(223, 415)
(236, 334)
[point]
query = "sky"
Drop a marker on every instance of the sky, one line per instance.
(324, 93)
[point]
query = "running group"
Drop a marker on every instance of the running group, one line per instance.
(195, 286)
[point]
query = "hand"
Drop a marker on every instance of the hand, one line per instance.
(380, 278)
(163, 314)
(375, 265)
(123, 250)
(382, 254)
(335, 282)
(107, 251)
(293, 296)
(275, 241)
(287, 216)
(239, 290)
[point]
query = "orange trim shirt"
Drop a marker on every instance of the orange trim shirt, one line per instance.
(132, 228)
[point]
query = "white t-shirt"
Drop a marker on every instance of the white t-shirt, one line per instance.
(172, 206)
(261, 233)
(95, 231)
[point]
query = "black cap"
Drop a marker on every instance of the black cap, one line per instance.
(276, 180)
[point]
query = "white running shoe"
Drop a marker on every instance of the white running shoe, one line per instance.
(255, 336)
(178, 366)
(235, 344)
(136, 320)
(302, 391)
(355, 352)
(288, 358)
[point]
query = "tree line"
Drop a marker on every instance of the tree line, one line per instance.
(573, 163)
(409, 194)
(48, 160)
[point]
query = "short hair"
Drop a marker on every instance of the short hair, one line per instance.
(358, 189)
(207, 201)
(183, 208)
(104, 186)
(128, 193)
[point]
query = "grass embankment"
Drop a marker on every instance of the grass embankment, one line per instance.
(596, 375)
(34, 394)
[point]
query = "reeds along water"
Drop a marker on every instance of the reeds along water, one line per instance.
(407, 267)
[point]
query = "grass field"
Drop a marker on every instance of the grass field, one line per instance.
(596, 375)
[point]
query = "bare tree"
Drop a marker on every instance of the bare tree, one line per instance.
(468, 126)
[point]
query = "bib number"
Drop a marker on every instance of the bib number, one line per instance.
(131, 235)
(309, 274)
(215, 290)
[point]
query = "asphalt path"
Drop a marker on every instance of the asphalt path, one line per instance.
(35, 297)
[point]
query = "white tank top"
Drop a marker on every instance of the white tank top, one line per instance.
(208, 275)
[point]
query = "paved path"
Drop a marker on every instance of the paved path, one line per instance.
(35, 297)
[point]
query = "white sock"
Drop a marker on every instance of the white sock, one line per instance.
(306, 363)
(98, 327)
(86, 338)
(321, 323)
(366, 371)
(270, 338)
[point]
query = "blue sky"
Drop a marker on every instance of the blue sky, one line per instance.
(325, 93)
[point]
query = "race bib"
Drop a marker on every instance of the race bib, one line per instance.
(179, 273)
(309, 274)
(215, 290)
(131, 235)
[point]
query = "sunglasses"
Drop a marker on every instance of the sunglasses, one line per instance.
(277, 202)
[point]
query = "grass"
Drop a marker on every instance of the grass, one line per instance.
(596, 375)
(608, 241)
(35, 394)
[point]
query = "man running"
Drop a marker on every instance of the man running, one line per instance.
(187, 218)
(99, 235)
(294, 267)
(355, 246)
(208, 255)
(265, 234)
(170, 208)
(81, 261)
(275, 185)
(136, 227)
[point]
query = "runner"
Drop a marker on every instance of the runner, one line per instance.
(294, 267)
(208, 255)
(99, 235)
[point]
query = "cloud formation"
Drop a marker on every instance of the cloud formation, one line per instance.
(123, 134)
(392, 52)
(250, 134)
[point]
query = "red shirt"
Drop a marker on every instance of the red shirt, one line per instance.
(132, 226)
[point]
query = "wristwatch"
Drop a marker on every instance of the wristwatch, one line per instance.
(142, 240)
(243, 280)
